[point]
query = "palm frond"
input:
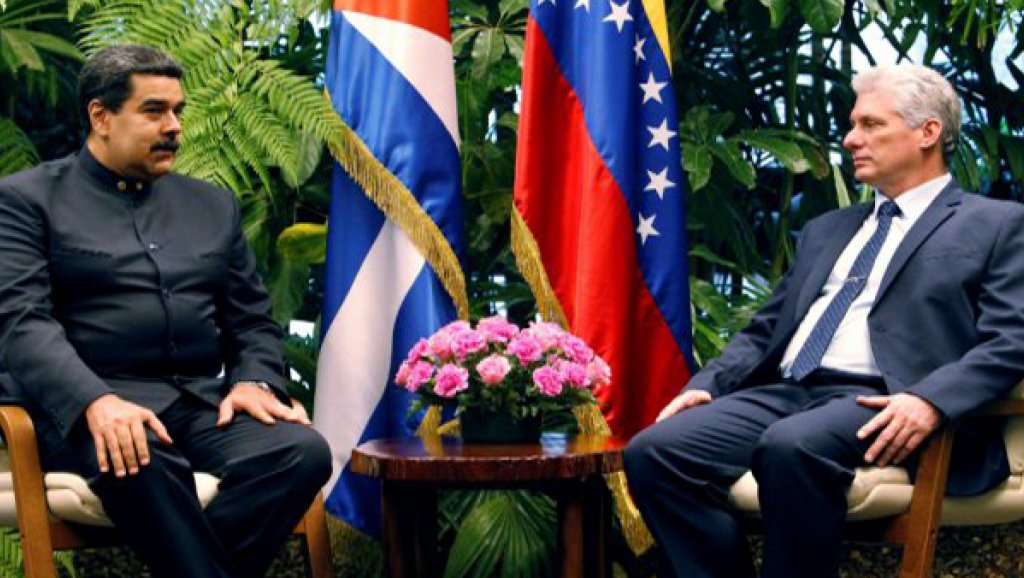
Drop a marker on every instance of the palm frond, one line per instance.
(16, 150)
(508, 533)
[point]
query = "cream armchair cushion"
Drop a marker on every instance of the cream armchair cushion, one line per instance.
(882, 492)
(70, 499)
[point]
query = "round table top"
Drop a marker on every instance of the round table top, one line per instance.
(556, 457)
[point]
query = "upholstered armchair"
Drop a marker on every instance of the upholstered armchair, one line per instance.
(57, 511)
(883, 503)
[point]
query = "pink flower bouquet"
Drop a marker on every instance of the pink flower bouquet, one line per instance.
(498, 368)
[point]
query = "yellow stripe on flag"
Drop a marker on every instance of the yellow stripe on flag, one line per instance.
(656, 15)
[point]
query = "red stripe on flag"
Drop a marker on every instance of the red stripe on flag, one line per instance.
(430, 15)
(586, 237)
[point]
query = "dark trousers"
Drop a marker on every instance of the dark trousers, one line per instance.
(268, 477)
(800, 443)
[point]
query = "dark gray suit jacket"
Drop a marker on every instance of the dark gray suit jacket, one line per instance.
(947, 324)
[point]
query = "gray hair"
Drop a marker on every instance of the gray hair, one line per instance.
(107, 75)
(919, 93)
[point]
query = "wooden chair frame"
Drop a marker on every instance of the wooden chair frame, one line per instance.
(41, 534)
(917, 528)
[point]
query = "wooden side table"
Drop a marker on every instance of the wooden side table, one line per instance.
(412, 470)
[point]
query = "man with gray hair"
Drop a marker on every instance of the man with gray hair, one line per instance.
(898, 316)
(135, 326)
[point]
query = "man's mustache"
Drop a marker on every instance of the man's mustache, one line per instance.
(168, 145)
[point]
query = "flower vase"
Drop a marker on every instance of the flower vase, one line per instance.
(480, 426)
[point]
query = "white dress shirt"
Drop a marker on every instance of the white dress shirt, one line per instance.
(850, 349)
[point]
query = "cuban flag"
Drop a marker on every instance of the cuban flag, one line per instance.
(599, 226)
(393, 272)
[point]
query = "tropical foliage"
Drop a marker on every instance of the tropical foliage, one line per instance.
(764, 96)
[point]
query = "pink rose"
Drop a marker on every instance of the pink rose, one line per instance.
(419, 373)
(576, 349)
(547, 381)
(573, 373)
(598, 371)
(419, 350)
(468, 342)
(526, 347)
(497, 330)
(440, 344)
(493, 368)
(547, 333)
(456, 326)
(451, 379)
(403, 373)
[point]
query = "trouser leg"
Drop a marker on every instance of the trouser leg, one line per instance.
(680, 471)
(804, 465)
(269, 475)
(156, 510)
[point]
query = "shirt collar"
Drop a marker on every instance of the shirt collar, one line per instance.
(110, 179)
(915, 201)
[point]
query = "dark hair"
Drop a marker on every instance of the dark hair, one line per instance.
(107, 75)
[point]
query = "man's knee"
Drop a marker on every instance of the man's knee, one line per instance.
(781, 445)
(312, 455)
(639, 457)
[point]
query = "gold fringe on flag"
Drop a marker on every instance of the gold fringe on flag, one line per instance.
(588, 418)
(430, 423)
(396, 201)
(527, 253)
(638, 537)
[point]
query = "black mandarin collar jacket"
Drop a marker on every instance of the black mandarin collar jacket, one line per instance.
(109, 284)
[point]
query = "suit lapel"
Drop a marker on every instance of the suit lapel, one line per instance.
(941, 209)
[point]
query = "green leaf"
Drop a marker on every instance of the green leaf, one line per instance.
(780, 145)
(17, 152)
(510, 7)
(842, 193)
(703, 252)
(822, 15)
(287, 284)
(303, 243)
(19, 50)
(777, 10)
(717, 5)
(487, 51)
(732, 157)
(309, 148)
(506, 534)
(697, 161)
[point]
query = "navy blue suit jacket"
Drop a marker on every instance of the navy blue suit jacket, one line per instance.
(947, 323)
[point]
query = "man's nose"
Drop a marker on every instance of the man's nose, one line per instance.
(851, 140)
(172, 123)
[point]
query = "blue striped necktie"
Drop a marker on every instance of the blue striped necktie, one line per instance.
(824, 330)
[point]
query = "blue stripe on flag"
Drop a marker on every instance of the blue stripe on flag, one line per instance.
(356, 498)
(403, 132)
(398, 126)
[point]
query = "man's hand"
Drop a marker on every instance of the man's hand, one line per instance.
(260, 404)
(117, 430)
(685, 400)
(904, 422)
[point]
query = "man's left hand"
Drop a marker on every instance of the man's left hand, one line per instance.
(260, 404)
(904, 422)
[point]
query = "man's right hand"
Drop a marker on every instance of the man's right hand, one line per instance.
(685, 400)
(117, 430)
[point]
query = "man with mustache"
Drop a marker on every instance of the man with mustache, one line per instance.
(897, 316)
(134, 324)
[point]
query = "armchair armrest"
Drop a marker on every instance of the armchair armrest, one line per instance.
(29, 494)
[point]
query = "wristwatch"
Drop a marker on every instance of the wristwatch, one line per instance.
(260, 384)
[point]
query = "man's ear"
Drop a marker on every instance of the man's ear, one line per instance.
(99, 117)
(931, 132)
